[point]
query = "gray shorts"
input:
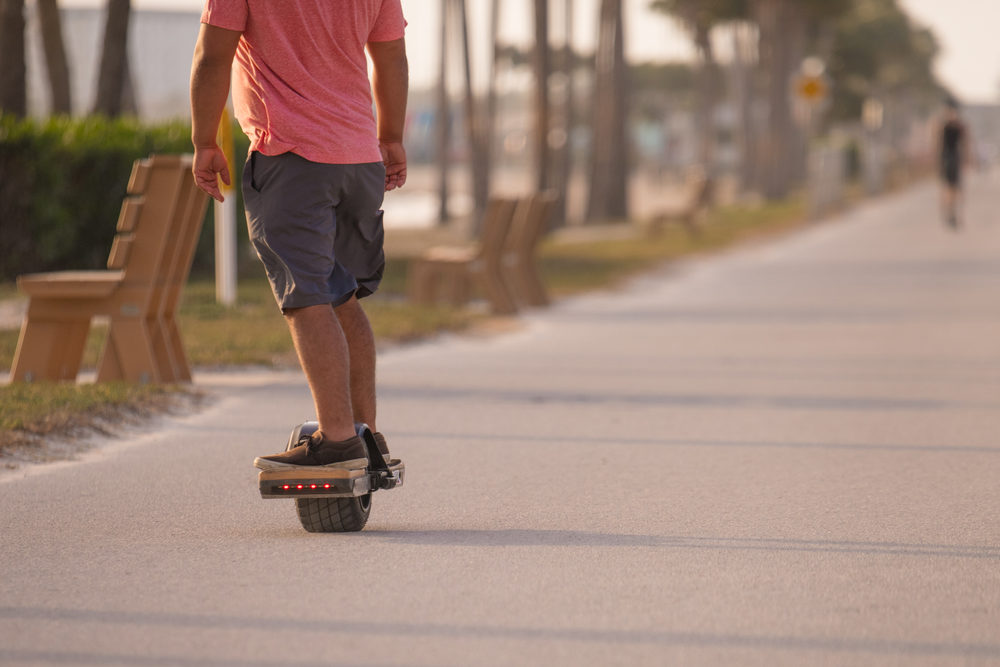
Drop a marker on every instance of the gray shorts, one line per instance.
(316, 227)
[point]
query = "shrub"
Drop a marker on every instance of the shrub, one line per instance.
(61, 184)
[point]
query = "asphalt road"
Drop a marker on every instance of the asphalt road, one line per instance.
(785, 455)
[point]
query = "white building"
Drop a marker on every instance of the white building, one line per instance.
(161, 44)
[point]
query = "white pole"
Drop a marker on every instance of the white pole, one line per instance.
(225, 223)
(225, 249)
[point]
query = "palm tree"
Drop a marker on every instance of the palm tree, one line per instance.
(477, 121)
(55, 55)
(13, 77)
(443, 117)
(784, 31)
(113, 74)
(699, 17)
(608, 192)
(564, 159)
(543, 69)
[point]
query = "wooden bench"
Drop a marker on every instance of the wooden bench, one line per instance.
(149, 261)
(446, 273)
(697, 196)
(520, 261)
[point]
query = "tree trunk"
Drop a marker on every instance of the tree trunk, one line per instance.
(543, 68)
(443, 118)
(55, 56)
(113, 70)
(708, 86)
(608, 192)
(13, 74)
(782, 33)
(564, 167)
(745, 94)
(477, 128)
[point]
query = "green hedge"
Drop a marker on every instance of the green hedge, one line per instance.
(61, 184)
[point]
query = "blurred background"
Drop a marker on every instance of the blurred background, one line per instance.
(763, 98)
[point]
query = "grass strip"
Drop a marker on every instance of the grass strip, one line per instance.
(573, 267)
(31, 412)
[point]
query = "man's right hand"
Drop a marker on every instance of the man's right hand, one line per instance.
(209, 166)
(394, 158)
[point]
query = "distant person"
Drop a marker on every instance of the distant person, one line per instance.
(313, 184)
(954, 153)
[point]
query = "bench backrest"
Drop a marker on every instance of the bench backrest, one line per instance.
(154, 210)
(529, 223)
(696, 188)
(147, 216)
(496, 224)
(181, 243)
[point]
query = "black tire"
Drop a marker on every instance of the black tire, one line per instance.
(334, 515)
(329, 515)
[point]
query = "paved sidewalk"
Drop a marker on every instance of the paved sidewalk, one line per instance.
(786, 455)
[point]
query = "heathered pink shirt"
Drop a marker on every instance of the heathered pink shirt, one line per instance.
(301, 82)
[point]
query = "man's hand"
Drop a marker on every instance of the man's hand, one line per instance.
(394, 158)
(209, 166)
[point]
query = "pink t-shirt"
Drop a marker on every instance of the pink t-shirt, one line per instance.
(301, 81)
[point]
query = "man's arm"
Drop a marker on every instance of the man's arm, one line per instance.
(210, 76)
(390, 83)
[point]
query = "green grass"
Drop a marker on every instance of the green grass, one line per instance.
(254, 332)
(571, 268)
(29, 411)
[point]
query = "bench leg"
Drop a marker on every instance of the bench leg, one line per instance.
(180, 371)
(419, 282)
(531, 285)
(496, 292)
(436, 281)
(128, 353)
(168, 363)
(49, 350)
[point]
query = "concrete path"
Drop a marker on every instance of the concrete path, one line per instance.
(787, 455)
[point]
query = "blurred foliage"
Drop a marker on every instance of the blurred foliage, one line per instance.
(62, 181)
(879, 52)
(873, 48)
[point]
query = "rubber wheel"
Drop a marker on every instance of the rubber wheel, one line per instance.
(329, 515)
(334, 515)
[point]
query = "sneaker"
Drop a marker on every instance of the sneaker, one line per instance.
(383, 448)
(348, 454)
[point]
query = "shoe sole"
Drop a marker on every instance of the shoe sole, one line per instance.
(330, 470)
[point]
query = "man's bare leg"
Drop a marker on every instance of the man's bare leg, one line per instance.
(324, 355)
(361, 345)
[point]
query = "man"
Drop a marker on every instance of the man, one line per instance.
(954, 152)
(313, 183)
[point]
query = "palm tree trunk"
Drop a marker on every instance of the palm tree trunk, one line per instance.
(608, 192)
(476, 126)
(113, 69)
(13, 74)
(745, 93)
(543, 67)
(443, 118)
(782, 28)
(55, 56)
(564, 171)
(708, 86)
